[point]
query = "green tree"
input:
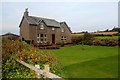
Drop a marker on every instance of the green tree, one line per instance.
(87, 38)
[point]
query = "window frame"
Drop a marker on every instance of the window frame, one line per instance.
(41, 39)
(64, 38)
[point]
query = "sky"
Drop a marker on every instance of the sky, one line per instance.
(80, 16)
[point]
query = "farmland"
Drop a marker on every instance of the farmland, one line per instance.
(82, 61)
(106, 37)
(100, 35)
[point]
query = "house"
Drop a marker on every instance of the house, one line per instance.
(43, 31)
(10, 36)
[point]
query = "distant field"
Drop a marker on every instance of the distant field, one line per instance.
(88, 61)
(77, 35)
(97, 33)
(106, 37)
(105, 33)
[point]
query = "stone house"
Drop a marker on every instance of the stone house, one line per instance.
(43, 31)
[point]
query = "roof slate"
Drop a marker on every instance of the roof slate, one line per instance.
(37, 20)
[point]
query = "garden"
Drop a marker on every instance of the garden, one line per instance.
(88, 57)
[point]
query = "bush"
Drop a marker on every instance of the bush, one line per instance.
(77, 40)
(87, 39)
(10, 47)
(62, 44)
(102, 43)
(105, 42)
(12, 69)
(12, 50)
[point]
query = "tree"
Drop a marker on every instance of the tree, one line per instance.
(87, 38)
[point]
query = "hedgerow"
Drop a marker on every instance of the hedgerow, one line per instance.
(89, 39)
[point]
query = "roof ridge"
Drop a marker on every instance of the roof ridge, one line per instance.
(43, 18)
(49, 22)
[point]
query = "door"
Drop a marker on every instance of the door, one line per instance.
(53, 38)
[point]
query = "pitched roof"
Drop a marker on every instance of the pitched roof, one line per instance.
(36, 20)
(66, 25)
(7, 34)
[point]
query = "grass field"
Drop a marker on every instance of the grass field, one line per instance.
(106, 37)
(88, 61)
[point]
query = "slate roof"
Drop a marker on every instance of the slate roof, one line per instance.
(36, 20)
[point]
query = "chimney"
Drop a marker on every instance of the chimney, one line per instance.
(26, 12)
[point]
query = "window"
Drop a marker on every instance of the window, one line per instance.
(42, 26)
(45, 40)
(63, 38)
(62, 29)
(53, 28)
(41, 35)
(41, 38)
(37, 35)
(38, 40)
(45, 35)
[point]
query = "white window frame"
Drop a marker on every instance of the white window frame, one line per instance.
(38, 38)
(44, 38)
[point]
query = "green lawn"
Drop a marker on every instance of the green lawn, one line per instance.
(106, 37)
(88, 61)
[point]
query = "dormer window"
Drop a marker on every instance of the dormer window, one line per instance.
(62, 30)
(41, 26)
(53, 28)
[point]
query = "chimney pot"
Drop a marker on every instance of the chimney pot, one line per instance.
(26, 13)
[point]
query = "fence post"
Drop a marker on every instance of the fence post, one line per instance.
(37, 74)
(46, 68)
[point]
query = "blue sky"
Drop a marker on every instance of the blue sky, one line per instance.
(80, 16)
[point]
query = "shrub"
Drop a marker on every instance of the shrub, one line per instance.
(12, 50)
(12, 69)
(62, 44)
(77, 40)
(96, 42)
(105, 42)
(87, 38)
(10, 47)
(102, 43)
